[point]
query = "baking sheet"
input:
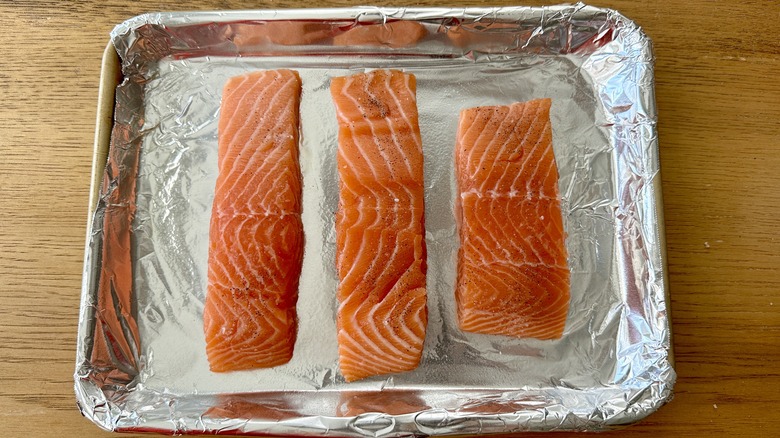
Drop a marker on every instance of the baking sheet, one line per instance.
(141, 362)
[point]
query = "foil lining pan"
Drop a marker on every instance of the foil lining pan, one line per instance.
(141, 362)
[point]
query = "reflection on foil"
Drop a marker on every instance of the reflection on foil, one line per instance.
(141, 363)
(115, 340)
(395, 34)
(487, 403)
(490, 36)
(354, 403)
(247, 407)
(285, 33)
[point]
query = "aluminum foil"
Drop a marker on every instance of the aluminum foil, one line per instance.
(141, 363)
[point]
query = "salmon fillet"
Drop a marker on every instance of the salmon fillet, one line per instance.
(513, 276)
(256, 234)
(380, 241)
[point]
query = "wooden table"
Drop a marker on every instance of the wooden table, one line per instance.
(719, 102)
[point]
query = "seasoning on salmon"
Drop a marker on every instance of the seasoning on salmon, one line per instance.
(513, 276)
(380, 236)
(256, 234)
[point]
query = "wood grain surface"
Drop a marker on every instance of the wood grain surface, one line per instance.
(718, 98)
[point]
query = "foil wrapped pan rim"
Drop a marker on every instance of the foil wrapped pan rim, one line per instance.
(363, 13)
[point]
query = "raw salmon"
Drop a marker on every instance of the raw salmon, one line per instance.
(380, 241)
(256, 234)
(513, 276)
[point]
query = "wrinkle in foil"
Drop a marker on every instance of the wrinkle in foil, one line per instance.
(145, 270)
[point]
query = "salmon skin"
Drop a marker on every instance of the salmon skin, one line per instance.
(513, 275)
(380, 243)
(256, 234)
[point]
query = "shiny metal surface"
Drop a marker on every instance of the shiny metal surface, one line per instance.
(613, 364)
